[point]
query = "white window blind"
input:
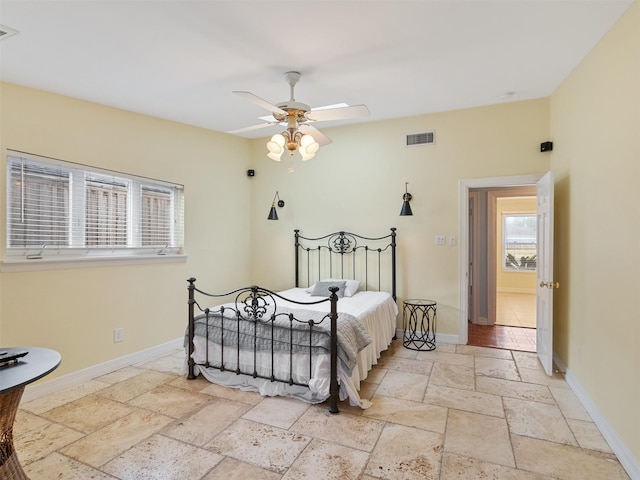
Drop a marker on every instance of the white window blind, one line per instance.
(37, 205)
(156, 222)
(62, 208)
(106, 217)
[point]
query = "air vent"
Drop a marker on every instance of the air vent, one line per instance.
(6, 32)
(417, 139)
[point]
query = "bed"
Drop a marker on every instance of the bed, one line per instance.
(315, 341)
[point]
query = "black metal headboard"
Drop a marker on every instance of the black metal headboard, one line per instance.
(349, 256)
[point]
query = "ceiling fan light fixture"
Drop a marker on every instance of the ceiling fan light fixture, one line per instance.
(292, 145)
(299, 134)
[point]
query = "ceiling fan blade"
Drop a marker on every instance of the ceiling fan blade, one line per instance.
(252, 127)
(260, 102)
(340, 113)
(317, 135)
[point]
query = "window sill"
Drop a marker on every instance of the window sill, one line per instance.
(23, 265)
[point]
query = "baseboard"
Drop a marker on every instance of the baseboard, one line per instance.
(560, 365)
(447, 338)
(628, 461)
(440, 337)
(81, 376)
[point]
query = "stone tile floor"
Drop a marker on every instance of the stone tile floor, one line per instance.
(459, 412)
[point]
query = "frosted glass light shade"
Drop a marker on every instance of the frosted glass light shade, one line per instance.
(308, 147)
(306, 140)
(279, 139)
(276, 147)
(306, 156)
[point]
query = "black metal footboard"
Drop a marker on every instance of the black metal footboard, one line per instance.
(251, 326)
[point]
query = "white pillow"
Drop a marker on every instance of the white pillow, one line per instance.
(321, 289)
(350, 290)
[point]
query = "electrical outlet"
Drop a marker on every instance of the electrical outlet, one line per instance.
(440, 240)
(118, 335)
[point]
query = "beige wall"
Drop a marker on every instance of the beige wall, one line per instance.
(356, 184)
(595, 125)
(512, 282)
(75, 311)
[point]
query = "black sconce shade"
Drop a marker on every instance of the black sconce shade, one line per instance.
(406, 198)
(273, 214)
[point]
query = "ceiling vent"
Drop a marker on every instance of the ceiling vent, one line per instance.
(418, 139)
(6, 32)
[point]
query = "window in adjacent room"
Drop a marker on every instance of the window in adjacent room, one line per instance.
(519, 242)
(62, 208)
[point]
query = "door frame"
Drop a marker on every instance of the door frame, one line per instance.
(463, 252)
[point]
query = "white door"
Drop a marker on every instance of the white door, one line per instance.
(544, 275)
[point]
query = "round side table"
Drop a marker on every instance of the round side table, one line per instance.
(13, 378)
(419, 324)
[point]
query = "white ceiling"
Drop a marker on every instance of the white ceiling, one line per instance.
(180, 60)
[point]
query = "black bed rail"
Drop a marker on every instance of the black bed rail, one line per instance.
(344, 254)
(251, 304)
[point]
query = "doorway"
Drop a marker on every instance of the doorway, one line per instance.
(502, 257)
(495, 313)
(515, 246)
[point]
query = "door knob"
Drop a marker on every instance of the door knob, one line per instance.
(550, 284)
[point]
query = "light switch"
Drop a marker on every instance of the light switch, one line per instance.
(440, 240)
(452, 240)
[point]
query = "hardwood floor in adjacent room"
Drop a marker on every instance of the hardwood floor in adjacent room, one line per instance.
(500, 336)
(515, 327)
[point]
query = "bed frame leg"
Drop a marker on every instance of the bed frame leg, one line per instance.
(191, 375)
(333, 386)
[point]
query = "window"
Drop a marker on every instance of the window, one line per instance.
(519, 242)
(61, 208)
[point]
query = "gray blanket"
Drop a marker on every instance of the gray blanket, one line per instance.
(307, 330)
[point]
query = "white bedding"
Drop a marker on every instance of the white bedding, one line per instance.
(377, 312)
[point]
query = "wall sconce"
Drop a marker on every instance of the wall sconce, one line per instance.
(406, 198)
(273, 215)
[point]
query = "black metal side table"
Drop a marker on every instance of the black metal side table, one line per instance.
(419, 324)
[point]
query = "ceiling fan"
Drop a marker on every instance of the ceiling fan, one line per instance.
(297, 117)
